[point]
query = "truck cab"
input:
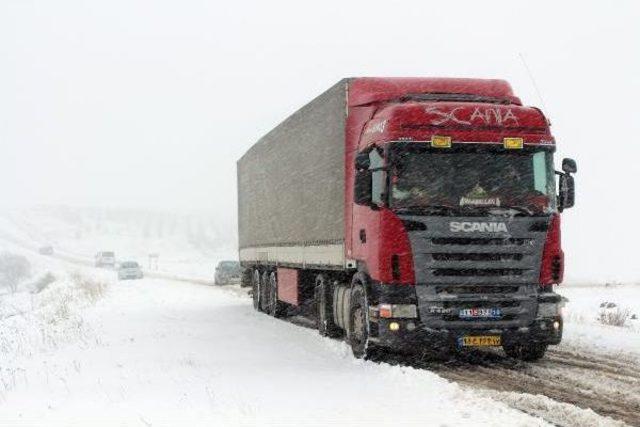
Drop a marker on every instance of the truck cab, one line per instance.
(456, 221)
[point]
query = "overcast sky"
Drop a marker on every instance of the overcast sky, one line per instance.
(150, 103)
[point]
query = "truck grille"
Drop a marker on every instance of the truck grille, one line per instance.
(479, 241)
(476, 257)
(482, 259)
(466, 270)
(473, 272)
(474, 290)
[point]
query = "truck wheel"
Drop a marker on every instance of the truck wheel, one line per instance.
(527, 352)
(276, 307)
(255, 283)
(358, 329)
(264, 291)
(324, 309)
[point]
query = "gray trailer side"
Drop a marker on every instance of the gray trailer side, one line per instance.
(291, 188)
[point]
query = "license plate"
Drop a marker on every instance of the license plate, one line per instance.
(480, 313)
(480, 341)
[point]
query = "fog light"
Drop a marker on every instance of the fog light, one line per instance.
(394, 326)
(556, 325)
(411, 326)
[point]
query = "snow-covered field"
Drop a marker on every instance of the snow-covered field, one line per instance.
(583, 329)
(77, 347)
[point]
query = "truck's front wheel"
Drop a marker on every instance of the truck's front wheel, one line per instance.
(528, 352)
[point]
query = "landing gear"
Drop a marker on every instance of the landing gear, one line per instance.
(275, 307)
(264, 291)
(528, 352)
(323, 297)
(256, 289)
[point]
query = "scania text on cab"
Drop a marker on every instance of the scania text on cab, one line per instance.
(412, 214)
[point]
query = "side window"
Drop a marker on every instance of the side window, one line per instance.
(540, 172)
(378, 177)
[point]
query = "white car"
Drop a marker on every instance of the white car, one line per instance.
(129, 270)
(105, 259)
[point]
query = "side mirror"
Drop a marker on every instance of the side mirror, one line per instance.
(569, 166)
(362, 161)
(363, 187)
(567, 190)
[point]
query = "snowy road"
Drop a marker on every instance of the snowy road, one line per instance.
(163, 352)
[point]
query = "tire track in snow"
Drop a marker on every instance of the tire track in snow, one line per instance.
(608, 388)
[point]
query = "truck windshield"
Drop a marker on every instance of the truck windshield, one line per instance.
(471, 179)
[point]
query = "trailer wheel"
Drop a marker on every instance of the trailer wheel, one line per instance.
(256, 291)
(324, 309)
(264, 291)
(528, 352)
(275, 307)
(358, 329)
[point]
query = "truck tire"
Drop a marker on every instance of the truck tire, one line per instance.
(358, 329)
(276, 308)
(256, 291)
(323, 297)
(528, 352)
(264, 291)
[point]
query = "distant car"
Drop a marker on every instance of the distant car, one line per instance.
(46, 250)
(227, 272)
(105, 259)
(129, 270)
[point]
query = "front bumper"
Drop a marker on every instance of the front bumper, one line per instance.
(526, 321)
(412, 334)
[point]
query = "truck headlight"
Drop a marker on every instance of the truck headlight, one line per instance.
(398, 311)
(546, 309)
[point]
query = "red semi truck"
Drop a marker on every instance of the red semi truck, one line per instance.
(411, 214)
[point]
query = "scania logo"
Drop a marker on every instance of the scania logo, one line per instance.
(484, 227)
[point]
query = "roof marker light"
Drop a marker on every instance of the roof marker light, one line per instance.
(438, 141)
(513, 143)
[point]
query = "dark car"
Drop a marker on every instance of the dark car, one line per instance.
(227, 272)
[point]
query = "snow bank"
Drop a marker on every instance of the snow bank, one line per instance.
(583, 329)
(43, 316)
